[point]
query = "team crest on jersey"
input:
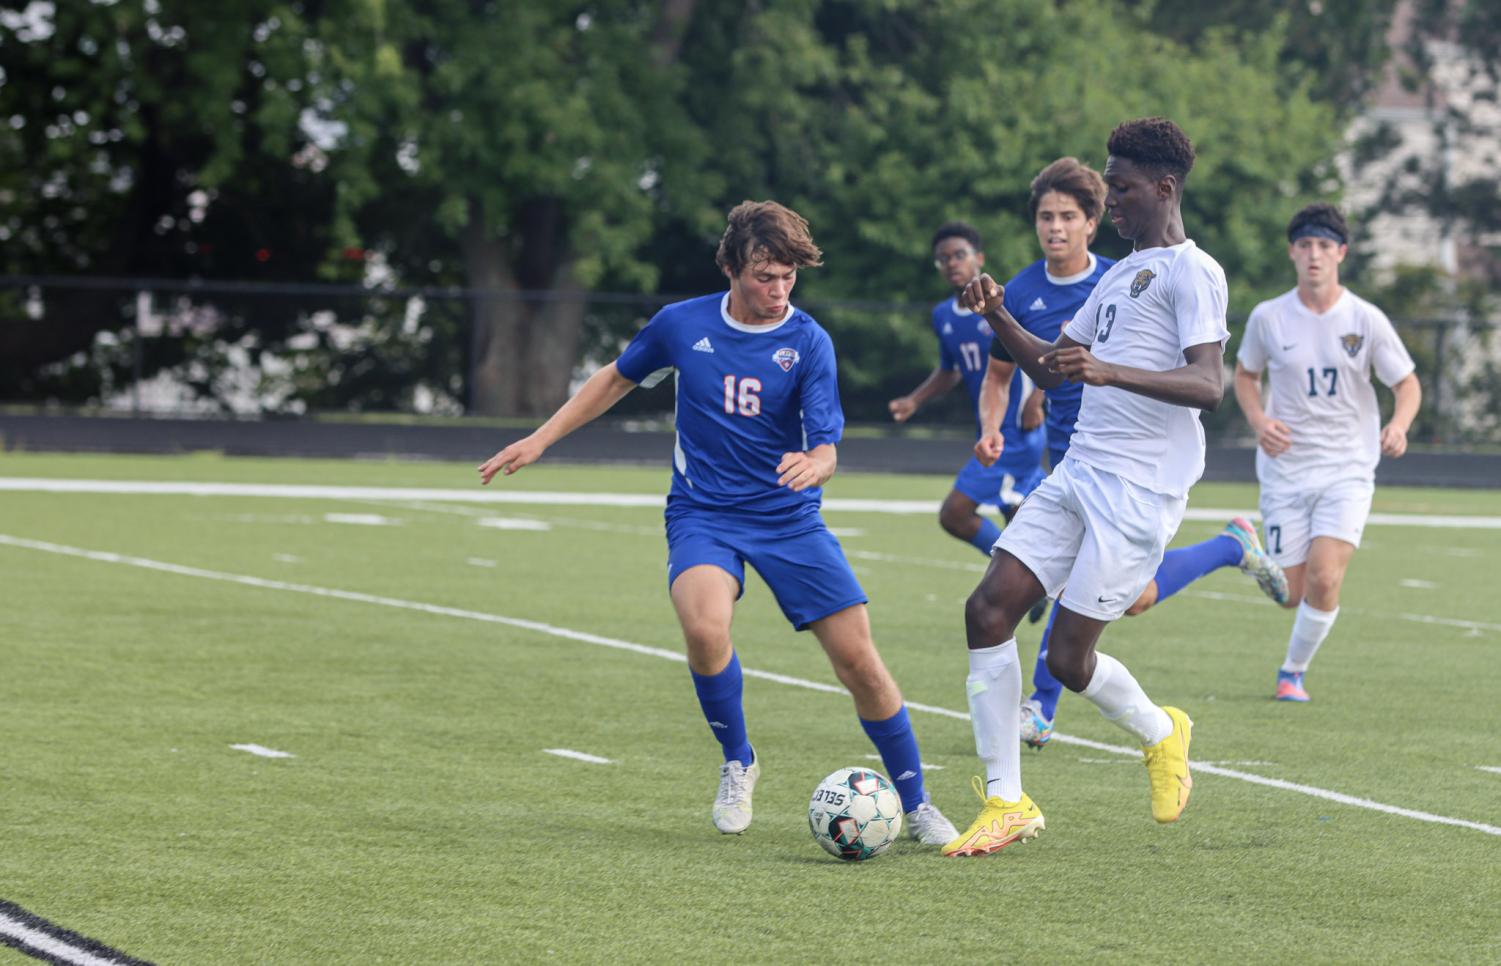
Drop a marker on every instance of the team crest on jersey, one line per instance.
(1141, 281)
(1352, 343)
(786, 357)
(984, 329)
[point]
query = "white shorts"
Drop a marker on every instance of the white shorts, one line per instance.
(1291, 519)
(1093, 535)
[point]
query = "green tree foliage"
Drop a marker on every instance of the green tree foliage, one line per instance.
(150, 138)
(515, 146)
(881, 121)
(1336, 46)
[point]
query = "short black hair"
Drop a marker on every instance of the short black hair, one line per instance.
(1320, 214)
(1154, 143)
(958, 229)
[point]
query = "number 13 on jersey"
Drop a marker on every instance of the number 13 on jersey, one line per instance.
(744, 400)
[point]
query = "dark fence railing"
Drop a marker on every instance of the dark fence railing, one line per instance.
(176, 346)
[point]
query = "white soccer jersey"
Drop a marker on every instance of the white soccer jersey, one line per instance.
(1145, 311)
(1319, 371)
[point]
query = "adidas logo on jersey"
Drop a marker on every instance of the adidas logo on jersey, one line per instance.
(702, 345)
(1037, 304)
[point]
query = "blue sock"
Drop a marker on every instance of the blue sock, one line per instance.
(897, 744)
(1183, 566)
(1047, 689)
(986, 536)
(719, 696)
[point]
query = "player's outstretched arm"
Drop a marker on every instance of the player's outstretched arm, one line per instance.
(604, 389)
(801, 471)
(939, 381)
(987, 296)
(1409, 393)
(995, 395)
(1198, 385)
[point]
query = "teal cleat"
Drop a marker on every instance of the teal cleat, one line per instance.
(1254, 560)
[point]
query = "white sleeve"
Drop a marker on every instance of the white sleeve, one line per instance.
(1200, 296)
(1389, 357)
(1252, 353)
(1081, 328)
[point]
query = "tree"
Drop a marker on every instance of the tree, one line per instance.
(880, 121)
(513, 147)
(156, 139)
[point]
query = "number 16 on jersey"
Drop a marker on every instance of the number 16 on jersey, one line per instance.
(744, 400)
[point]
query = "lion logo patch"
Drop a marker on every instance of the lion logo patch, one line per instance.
(1352, 343)
(1141, 281)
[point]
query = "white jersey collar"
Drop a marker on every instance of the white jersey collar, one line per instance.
(724, 313)
(1072, 279)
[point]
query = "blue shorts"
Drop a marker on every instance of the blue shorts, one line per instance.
(794, 552)
(984, 484)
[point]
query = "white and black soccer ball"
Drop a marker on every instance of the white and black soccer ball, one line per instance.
(855, 814)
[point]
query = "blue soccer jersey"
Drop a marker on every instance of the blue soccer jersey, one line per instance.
(963, 341)
(745, 395)
(1043, 304)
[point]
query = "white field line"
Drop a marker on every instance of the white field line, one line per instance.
(102, 556)
(971, 567)
(59, 950)
(488, 495)
(925, 765)
(578, 756)
(1490, 768)
(263, 751)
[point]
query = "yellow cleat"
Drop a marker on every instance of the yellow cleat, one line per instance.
(1167, 768)
(998, 825)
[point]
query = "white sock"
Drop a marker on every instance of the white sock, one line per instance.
(1120, 699)
(1310, 628)
(995, 693)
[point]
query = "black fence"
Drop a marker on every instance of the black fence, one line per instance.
(197, 348)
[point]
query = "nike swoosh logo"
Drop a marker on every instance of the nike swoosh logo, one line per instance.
(1288, 347)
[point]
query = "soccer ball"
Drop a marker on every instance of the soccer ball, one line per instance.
(855, 814)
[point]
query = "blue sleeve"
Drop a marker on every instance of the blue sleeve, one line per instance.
(946, 358)
(1012, 300)
(648, 351)
(823, 419)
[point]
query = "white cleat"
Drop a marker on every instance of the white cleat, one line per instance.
(1035, 729)
(732, 806)
(927, 824)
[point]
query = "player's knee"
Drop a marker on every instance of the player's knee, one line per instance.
(1323, 585)
(1142, 605)
(862, 674)
(985, 619)
(1068, 668)
(705, 637)
(955, 522)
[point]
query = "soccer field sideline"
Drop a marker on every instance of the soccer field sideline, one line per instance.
(601, 499)
(676, 656)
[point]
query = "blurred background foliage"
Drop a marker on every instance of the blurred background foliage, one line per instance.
(416, 151)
